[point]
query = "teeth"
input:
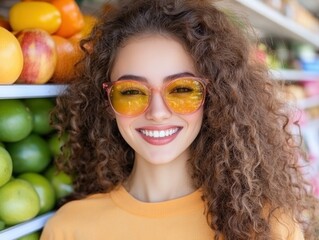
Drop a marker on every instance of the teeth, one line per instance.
(159, 134)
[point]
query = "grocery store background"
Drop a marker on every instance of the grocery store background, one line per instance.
(288, 32)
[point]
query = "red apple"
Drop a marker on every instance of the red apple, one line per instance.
(39, 55)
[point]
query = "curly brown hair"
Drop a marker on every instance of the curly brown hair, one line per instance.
(244, 158)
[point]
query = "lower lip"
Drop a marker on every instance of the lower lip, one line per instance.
(160, 141)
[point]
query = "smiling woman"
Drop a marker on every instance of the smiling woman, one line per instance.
(175, 132)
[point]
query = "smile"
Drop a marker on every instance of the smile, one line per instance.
(159, 134)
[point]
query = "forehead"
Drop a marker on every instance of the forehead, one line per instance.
(152, 57)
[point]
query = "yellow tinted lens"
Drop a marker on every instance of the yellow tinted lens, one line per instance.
(129, 98)
(185, 95)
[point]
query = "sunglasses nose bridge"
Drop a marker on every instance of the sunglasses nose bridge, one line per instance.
(157, 108)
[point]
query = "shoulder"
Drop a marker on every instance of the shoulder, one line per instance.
(84, 206)
(78, 212)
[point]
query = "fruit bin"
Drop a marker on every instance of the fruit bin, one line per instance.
(30, 91)
(27, 92)
(25, 228)
(67, 53)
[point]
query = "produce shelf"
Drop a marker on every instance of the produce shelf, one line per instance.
(16, 91)
(25, 228)
(294, 75)
(308, 102)
(270, 21)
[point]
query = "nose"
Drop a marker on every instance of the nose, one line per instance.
(157, 111)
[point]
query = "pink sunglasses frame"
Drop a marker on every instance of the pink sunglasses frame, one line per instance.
(107, 86)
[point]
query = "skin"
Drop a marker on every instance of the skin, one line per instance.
(160, 170)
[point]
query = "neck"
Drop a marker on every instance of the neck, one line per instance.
(157, 183)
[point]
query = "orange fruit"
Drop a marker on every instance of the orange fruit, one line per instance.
(61, 182)
(43, 188)
(40, 109)
(5, 166)
(18, 202)
(31, 154)
(11, 57)
(72, 17)
(68, 54)
(15, 120)
(89, 22)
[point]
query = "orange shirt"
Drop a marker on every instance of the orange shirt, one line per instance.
(118, 216)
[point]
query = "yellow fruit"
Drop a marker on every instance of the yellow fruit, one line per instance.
(42, 15)
(43, 188)
(5, 166)
(15, 120)
(31, 154)
(11, 57)
(18, 202)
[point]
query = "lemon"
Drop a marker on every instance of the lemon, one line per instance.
(43, 188)
(5, 166)
(18, 202)
(31, 154)
(15, 120)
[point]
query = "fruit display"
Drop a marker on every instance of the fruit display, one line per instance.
(39, 54)
(30, 184)
(11, 54)
(39, 41)
(39, 15)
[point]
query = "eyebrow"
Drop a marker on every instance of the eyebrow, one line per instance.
(143, 79)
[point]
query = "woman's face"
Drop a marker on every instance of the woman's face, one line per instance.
(158, 135)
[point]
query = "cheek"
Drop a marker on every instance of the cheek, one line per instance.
(195, 118)
(124, 125)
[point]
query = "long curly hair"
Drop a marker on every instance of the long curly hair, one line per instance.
(245, 156)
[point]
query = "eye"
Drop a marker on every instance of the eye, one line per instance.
(181, 90)
(131, 92)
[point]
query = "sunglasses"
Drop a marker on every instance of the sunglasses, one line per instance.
(131, 98)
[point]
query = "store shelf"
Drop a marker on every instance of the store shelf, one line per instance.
(308, 102)
(311, 5)
(25, 228)
(30, 90)
(270, 21)
(294, 75)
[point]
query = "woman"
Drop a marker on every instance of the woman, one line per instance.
(176, 132)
